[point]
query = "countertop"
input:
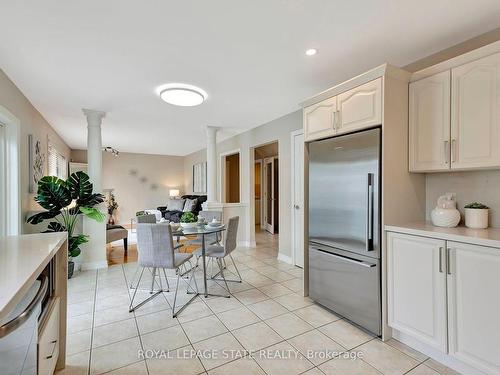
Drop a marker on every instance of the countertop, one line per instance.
(22, 259)
(483, 237)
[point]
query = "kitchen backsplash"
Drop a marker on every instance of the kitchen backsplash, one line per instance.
(477, 186)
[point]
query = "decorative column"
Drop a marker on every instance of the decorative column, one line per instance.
(212, 164)
(94, 253)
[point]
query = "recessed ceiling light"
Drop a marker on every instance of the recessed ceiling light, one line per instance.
(182, 94)
(311, 51)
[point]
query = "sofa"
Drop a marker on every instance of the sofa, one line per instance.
(175, 215)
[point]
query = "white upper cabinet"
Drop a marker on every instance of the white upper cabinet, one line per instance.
(360, 107)
(429, 121)
(320, 119)
(416, 285)
(475, 114)
(473, 306)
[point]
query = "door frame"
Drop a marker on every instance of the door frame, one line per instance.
(261, 213)
(292, 190)
(270, 160)
(10, 198)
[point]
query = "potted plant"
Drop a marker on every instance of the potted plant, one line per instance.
(188, 220)
(112, 206)
(64, 202)
(476, 215)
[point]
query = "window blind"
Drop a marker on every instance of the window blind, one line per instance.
(58, 166)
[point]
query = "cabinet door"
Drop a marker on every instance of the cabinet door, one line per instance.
(475, 114)
(360, 107)
(319, 119)
(416, 284)
(429, 121)
(474, 305)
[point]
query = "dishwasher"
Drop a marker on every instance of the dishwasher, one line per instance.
(19, 333)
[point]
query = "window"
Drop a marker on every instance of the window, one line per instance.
(58, 166)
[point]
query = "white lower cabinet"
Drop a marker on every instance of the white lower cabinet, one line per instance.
(446, 295)
(416, 280)
(49, 341)
(474, 306)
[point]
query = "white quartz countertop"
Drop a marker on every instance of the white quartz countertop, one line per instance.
(483, 237)
(22, 259)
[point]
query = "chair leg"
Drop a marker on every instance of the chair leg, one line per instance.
(166, 279)
(155, 294)
(224, 279)
(153, 281)
(175, 313)
(235, 267)
(219, 262)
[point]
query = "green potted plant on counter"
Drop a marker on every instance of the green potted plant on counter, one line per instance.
(476, 216)
(64, 201)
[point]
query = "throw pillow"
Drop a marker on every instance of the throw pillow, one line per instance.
(190, 205)
(175, 204)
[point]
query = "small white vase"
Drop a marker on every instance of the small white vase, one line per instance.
(476, 218)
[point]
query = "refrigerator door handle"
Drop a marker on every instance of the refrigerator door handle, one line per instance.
(369, 213)
(347, 259)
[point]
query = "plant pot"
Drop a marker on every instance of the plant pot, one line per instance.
(71, 269)
(476, 218)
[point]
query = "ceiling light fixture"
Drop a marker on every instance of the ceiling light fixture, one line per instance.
(311, 51)
(182, 94)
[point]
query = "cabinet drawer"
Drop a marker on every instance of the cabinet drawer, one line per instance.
(48, 341)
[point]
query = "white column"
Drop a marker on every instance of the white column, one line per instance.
(94, 252)
(212, 164)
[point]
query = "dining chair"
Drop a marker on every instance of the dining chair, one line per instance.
(219, 252)
(148, 218)
(156, 250)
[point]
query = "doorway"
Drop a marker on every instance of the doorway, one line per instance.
(230, 173)
(266, 192)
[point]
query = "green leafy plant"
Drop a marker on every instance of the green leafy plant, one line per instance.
(477, 206)
(188, 217)
(64, 201)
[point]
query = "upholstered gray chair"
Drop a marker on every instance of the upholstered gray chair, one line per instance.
(156, 250)
(219, 253)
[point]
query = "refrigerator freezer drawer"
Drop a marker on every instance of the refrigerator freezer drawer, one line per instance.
(348, 284)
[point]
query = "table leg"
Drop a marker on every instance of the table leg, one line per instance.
(204, 264)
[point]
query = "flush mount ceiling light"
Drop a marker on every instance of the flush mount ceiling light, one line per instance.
(311, 51)
(182, 94)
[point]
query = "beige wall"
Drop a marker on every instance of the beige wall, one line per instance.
(32, 122)
(139, 181)
(277, 130)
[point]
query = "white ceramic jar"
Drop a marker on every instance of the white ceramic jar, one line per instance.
(476, 218)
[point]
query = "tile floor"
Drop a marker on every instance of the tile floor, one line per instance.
(267, 314)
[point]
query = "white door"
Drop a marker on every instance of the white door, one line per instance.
(298, 198)
(360, 107)
(269, 194)
(416, 284)
(429, 123)
(320, 119)
(475, 114)
(474, 305)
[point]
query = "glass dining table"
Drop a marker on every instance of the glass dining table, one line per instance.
(201, 231)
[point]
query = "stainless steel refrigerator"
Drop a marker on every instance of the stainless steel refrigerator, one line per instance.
(344, 226)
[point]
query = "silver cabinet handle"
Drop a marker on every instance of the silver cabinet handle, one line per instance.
(447, 151)
(441, 259)
(26, 314)
(369, 213)
(54, 342)
(338, 119)
(334, 120)
(448, 261)
(453, 150)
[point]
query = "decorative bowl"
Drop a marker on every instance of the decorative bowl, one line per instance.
(214, 224)
(188, 225)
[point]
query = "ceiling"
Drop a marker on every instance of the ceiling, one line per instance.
(248, 55)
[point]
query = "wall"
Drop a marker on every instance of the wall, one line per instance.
(277, 130)
(478, 186)
(32, 122)
(139, 181)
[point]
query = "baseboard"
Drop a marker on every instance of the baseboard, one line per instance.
(247, 244)
(87, 266)
(285, 258)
